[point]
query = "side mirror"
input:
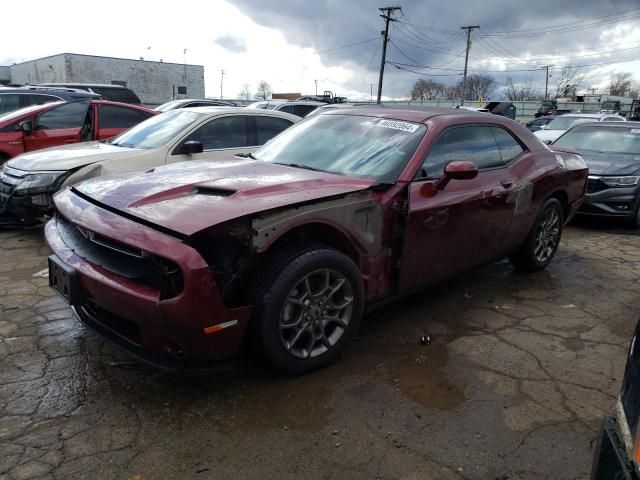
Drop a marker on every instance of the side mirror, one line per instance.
(547, 142)
(191, 147)
(543, 127)
(26, 126)
(458, 170)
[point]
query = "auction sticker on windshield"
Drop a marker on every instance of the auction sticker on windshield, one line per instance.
(397, 125)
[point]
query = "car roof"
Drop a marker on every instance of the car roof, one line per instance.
(302, 102)
(63, 84)
(240, 111)
(590, 115)
(608, 125)
(407, 115)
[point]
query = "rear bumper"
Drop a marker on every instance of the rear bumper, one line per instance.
(610, 461)
(169, 333)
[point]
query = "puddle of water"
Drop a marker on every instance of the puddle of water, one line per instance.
(421, 376)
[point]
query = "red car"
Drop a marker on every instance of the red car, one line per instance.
(180, 264)
(57, 123)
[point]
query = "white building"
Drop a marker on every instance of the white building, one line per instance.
(154, 82)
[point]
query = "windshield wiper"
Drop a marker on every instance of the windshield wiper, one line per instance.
(246, 155)
(299, 165)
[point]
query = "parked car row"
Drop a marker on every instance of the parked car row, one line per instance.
(286, 246)
(59, 123)
(28, 181)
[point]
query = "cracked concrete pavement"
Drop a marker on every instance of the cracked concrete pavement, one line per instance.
(520, 370)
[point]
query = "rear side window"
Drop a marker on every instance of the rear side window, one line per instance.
(9, 103)
(286, 109)
(35, 99)
(111, 116)
(223, 132)
(269, 127)
(303, 110)
(509, 146)
(472, 143)
(69, 115)
(123, 95)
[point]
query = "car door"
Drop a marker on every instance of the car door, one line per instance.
(57, 126)
(114, 119)
(466, 223)
(221, 137)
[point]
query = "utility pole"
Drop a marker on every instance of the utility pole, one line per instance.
(371, 96)
(221, 80)
(316, 87)
(386, 14)
(469, 29)
(546, 83)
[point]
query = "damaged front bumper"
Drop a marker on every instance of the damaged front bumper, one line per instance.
(116, 292)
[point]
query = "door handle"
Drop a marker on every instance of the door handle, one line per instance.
(506, 183)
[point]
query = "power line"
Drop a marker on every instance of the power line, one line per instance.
(578, 24)
(427, 74)
(347, 46)
(562, 28)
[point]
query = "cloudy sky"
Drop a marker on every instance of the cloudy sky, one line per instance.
(294, 43)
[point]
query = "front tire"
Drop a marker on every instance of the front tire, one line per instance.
(307, 307)
(542, 242)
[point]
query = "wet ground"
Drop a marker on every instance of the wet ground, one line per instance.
(518, 374)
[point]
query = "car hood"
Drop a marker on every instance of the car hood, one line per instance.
(610, 163)
(69, 157)
(188, 197)
(548, 135)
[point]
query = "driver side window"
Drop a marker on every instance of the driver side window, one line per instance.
(223, 132)
(473, 143)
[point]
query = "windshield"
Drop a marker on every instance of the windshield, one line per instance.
(547, 103)
(346, 145)
(602, 139)
(165, 107)
(17, 113)
(565, 123)
(156, 131)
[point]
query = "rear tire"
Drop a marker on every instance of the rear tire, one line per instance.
(308, 303)
(542, 242)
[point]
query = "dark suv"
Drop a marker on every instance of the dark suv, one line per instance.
(115, 93)
(15, 98)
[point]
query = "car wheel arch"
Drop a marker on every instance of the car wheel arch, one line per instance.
(563, 198)
(317, 232)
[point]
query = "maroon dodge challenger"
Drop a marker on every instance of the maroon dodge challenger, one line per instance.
(289, 246)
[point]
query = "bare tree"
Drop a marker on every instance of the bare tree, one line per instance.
(452, 92)
(245, 93)
(634, 90)
(264, 91)
(478, 86)
(518, 92)
(425, 89)
(566, 81)
(620, 83)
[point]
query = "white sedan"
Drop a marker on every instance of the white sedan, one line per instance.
(556, 127)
